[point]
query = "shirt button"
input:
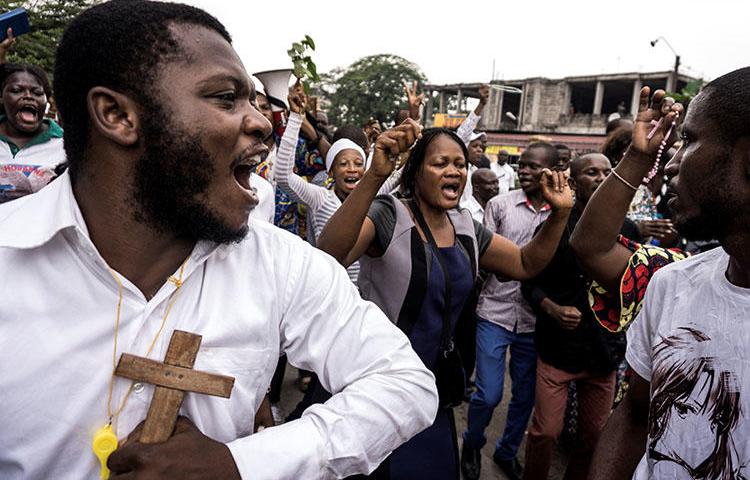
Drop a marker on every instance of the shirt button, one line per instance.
(138, 387)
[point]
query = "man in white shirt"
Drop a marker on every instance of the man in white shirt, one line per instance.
(485, 188)
(686, 413)
(148, 232)
(506, 176)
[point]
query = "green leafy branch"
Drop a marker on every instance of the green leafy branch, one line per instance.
(304, 67)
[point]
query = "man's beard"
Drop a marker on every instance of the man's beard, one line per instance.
(170, 177)
(710, 224)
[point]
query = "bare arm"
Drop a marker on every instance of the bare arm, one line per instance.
(595, 237)
(623, 441)
(521, 263)
(349, 233)
(6, 45)
(309, 132)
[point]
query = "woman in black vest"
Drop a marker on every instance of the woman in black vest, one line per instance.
(420, 253)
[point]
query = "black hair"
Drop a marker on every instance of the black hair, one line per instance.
(400, 116)
(727, 104)
(353, 133)
(552, 156)
(616, 143)
(8, 69)
(416, 157)
(620, 122)
(561, 146)
(117, 44)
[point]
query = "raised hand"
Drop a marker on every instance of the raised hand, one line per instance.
(415, 101)
(484, 94)
(297, 98)
(655, 114)
(188, 454)
(556, 190)
(391, 143)
(6, 45)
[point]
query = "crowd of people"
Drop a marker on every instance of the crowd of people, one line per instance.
(400, 269)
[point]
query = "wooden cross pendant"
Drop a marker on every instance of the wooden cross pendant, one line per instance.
(172, 379)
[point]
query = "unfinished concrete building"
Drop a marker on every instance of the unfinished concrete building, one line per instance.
(571, 110)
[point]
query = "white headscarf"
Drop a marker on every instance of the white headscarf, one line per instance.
(339, 146)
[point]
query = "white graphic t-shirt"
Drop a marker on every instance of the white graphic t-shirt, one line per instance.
(692, 342)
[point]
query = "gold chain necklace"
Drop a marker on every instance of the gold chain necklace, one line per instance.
(105, 440)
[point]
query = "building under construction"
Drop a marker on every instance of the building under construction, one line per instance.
(571, 110)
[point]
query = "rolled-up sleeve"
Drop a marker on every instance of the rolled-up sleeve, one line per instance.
(383, 393)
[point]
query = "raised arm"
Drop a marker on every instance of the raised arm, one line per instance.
(6, 45)
(466, 128)
(349, 233)
(300, 190)
(415, 101)
(595, 237)
(509, 260)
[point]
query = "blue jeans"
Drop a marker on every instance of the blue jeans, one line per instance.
(492, 343)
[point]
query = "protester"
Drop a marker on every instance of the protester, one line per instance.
(505, 321)
(394, 255)
(564, 156)
(572, 348)
(345, 164)
(506, 176)
(473, 140)
(617, 142)
(31, 145)
(616, 263)
(687, 347)
(486, 187)
(156, 202)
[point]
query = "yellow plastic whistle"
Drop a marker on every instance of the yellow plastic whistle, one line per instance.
(105, 442)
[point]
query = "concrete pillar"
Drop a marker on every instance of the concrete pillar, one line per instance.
(441, 108)
(670, 83)
(499, 109)
(536, 103)
(637, 85)
(428, 108)
(459, 108)
(598, 98)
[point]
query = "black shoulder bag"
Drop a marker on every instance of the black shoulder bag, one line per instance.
(449, 372)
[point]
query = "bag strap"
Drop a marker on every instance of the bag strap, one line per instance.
(446, 343)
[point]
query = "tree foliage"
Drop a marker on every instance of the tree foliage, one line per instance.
(48, 19)
(372, 87)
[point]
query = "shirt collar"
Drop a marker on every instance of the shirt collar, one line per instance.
(524, 200)
(33, 220)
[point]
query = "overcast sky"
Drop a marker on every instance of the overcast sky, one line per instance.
(457, 41)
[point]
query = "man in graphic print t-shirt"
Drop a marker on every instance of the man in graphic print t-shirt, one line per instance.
(688, 410)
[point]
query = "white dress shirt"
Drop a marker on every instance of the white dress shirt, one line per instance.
(250, 301)
(506, 176)
(464, 132)
(266, 198)
(475, 208)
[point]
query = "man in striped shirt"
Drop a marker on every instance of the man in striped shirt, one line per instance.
(506, 321)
